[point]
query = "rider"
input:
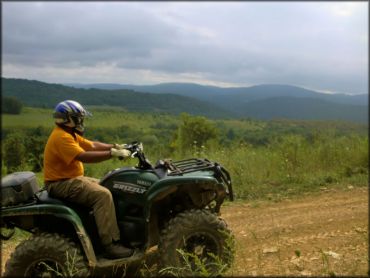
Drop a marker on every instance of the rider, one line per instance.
(65, 151)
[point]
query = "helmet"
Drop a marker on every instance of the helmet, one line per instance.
(70, 113)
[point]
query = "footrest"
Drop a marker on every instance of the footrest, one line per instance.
(104, 262)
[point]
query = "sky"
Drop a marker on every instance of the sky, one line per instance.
(315, 45)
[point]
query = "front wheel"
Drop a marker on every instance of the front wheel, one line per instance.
(46, 255)
(196, 241)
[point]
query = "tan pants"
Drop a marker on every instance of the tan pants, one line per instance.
(87, 191)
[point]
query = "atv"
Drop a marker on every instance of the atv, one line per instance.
(174, 205)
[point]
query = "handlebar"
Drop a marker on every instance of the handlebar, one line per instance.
(135, 147)
(137, 150)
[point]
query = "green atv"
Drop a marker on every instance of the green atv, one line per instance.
(172, 205)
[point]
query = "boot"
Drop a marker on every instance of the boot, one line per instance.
(116, 251)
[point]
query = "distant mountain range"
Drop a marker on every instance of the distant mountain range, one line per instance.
(219, 95)
(262, 102)
(40, 94)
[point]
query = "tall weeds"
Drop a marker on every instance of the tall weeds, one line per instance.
(292, 164)
(288, 165)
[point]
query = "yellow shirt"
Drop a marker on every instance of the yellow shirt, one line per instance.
(60, 152)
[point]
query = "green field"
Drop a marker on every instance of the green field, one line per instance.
(110, 117)
(266, 159)
(102, 117)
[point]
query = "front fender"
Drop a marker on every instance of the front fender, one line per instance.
(173, 182)
(56, 211)
(164, 187)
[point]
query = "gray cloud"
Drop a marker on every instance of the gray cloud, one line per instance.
(320, 45)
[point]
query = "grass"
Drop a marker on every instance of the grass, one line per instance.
(70, 267)
(193, 266)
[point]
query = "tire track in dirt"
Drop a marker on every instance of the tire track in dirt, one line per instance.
(319, 234)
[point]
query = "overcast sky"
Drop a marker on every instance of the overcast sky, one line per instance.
(316, 45)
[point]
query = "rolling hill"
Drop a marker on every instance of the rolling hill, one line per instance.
(263, 101)
(219, 95)
(40, 94)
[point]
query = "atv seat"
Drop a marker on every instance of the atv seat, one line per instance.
(43, 197)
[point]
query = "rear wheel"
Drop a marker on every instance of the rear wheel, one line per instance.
(193, 235)
(46, 255)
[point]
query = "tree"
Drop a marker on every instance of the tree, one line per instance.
(194, 132)
(11, 105)
(14, 152)
(35, 156)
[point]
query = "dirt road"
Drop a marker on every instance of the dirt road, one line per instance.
(320, 234)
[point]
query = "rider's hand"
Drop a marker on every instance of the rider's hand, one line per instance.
(120, 153)
(120, 146)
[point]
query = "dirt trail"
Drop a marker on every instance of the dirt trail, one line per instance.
(320, 234)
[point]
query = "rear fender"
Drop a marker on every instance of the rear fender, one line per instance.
(60, 211)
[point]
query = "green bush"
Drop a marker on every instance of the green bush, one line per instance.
(11, 105)
(14, 152)
(194, 132)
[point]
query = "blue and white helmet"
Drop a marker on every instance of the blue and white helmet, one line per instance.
(70, 113)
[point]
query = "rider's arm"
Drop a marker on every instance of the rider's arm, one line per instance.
(99, 146)
(95, 151)
(93, 156)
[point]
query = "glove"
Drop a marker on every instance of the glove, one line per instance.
(120, 146)
(120, 153)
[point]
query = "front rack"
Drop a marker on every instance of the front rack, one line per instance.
(178, 168)
(189, 165)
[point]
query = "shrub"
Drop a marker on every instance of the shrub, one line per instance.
(14, 152)
(194, 132)
(11, 105)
